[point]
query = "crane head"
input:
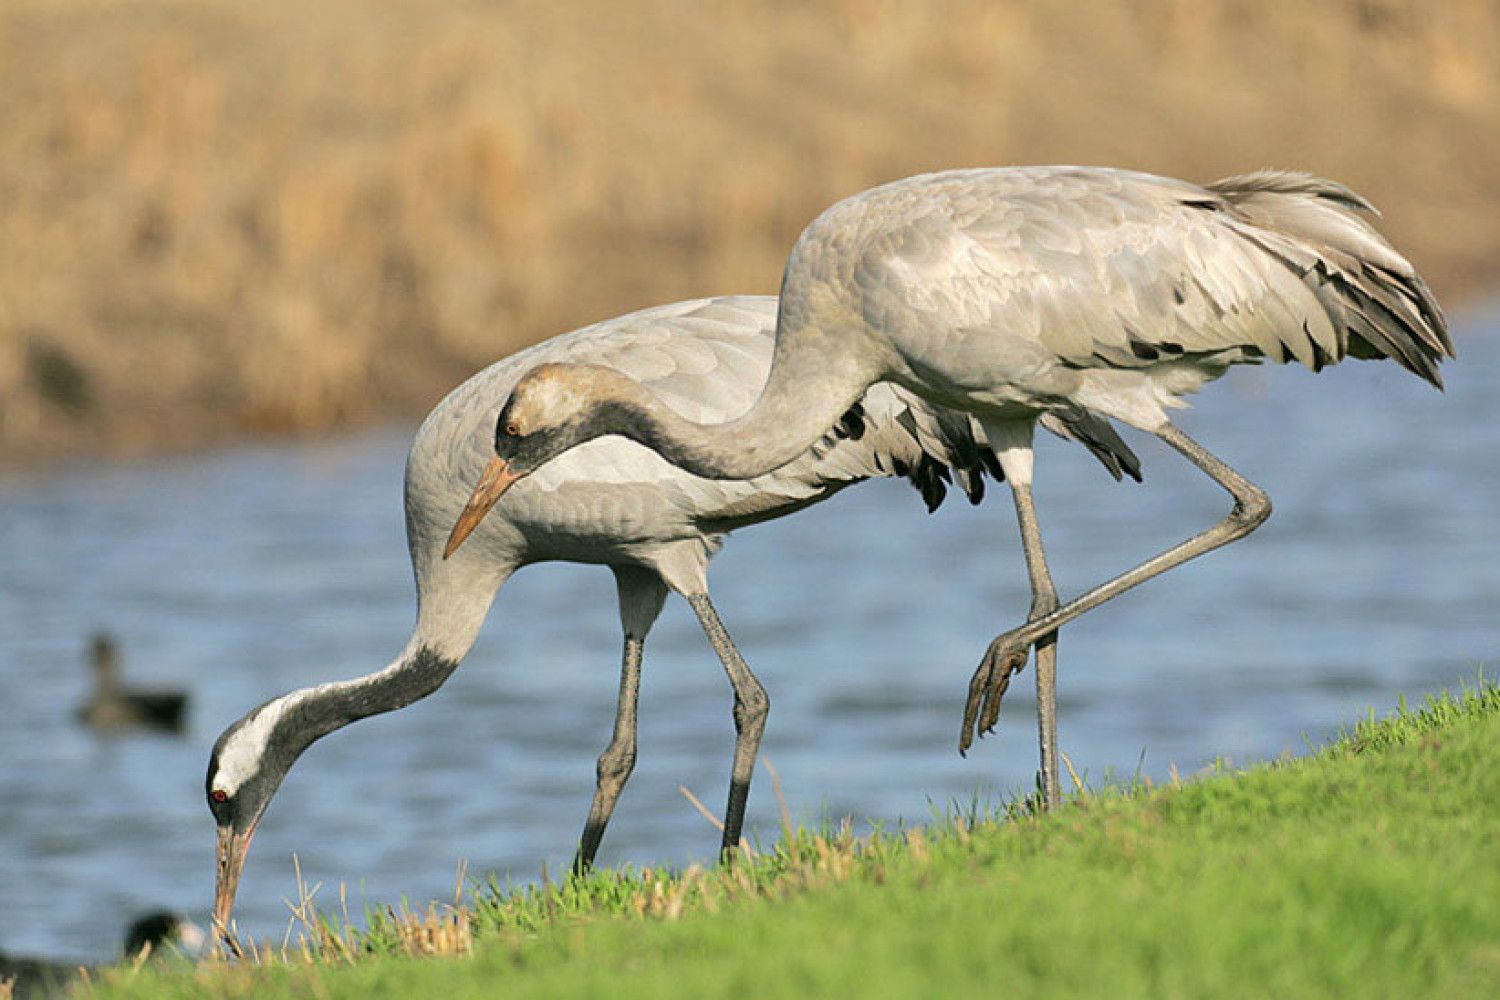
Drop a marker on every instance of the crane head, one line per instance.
(247, 765)
(553, 407)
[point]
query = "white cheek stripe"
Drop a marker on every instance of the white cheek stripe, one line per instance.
(241, 756)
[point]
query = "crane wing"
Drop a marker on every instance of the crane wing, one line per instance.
(708, 359)
(1104, 268)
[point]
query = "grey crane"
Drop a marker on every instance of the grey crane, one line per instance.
(613, 503)
(1020, 293)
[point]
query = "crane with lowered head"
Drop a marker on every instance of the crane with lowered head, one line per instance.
(613, 503)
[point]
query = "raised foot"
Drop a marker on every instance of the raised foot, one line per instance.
(1001, 660)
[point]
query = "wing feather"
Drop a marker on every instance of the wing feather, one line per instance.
(1106, 268)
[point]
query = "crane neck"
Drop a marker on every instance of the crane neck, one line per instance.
(257, 751)
(447, 624)
(254, 754)
(812, 383)
(329, 707)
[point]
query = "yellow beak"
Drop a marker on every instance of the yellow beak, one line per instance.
(233, 847)
(493, 482)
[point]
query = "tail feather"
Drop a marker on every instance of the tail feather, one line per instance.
(1097, 435)
(949, 449)
(893, 432)
(1375, 299)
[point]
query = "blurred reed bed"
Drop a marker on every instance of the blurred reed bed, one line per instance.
(226, 220)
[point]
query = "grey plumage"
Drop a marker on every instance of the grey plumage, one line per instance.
(706, 360)
(1110, 270)
(611, 502)
(1377, 304)
(1069, 296)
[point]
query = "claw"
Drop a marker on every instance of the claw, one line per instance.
(967, 732)
(987, 688)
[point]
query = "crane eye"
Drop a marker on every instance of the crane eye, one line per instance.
(219, 795)
(512, 430)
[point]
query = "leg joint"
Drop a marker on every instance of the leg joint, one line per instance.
(751, 707)
(1251, 509)
(615, 763)
(1044, 602)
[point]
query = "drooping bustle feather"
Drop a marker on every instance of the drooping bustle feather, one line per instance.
(1375, 299)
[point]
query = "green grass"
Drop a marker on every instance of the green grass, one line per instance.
(1370, 869)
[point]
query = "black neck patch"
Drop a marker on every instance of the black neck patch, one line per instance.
(318, 715)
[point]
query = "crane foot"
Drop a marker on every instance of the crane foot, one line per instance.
(1001, 660)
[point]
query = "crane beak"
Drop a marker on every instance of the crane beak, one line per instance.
(233, 847)
(494, 481)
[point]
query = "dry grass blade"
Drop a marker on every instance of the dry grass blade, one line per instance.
(1072, 774)
(459, 878)
(698, 805)
(229, 937)
(431, 933)
(787, 830)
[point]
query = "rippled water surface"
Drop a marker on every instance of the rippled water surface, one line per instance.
(242, 574)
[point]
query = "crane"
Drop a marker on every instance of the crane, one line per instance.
(1016, 294)
(613, 503)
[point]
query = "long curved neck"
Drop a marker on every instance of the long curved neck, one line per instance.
(813, 381)
(258, 750)
(447, 623)
(312, 713)
(262, 747)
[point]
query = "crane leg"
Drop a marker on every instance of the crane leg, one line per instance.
(751, 706)
(1011, 441)
(1007, 653)
(642, 593)
(1043, 603)
(617, 760)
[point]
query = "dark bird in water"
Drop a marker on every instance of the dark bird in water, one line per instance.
(154, 935)
(114, 706)
(1015, 295)
(161, 930)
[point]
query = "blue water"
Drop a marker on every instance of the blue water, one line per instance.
(241, 574)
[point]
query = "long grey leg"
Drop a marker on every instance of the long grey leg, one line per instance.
(1007, 653)
(618, 759)
(751, 706)
(1011, 441)
(1043, 603)
(641, 597)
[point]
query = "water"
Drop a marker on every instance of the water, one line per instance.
(245, 573)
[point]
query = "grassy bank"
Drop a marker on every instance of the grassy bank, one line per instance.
(1367, 869)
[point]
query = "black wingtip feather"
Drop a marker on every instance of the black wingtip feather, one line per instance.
(852, 424)
(1373, 296)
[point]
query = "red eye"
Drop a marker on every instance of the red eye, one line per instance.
(219, 795)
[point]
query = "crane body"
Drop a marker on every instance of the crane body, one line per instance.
(1021, 295)
(611, 502)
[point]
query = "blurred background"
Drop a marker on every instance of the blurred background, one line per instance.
(232, 219)
(244, 247)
